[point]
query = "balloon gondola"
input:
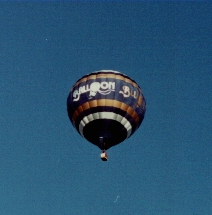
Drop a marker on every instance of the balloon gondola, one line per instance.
(106, 107)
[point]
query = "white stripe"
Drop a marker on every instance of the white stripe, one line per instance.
(105, 115)
(107, 70)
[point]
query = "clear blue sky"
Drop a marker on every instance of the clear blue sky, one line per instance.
(46, 167)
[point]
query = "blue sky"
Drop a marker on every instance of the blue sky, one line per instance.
(165, 168)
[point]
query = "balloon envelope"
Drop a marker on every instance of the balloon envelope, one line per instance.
(106, 104)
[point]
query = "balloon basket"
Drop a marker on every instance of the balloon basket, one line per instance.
(104, 156)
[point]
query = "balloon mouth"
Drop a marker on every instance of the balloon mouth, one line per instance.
(112, 132)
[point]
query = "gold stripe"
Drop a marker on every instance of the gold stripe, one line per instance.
(107, 103)
(104, 75)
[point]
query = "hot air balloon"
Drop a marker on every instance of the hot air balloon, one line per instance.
(106, 107)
